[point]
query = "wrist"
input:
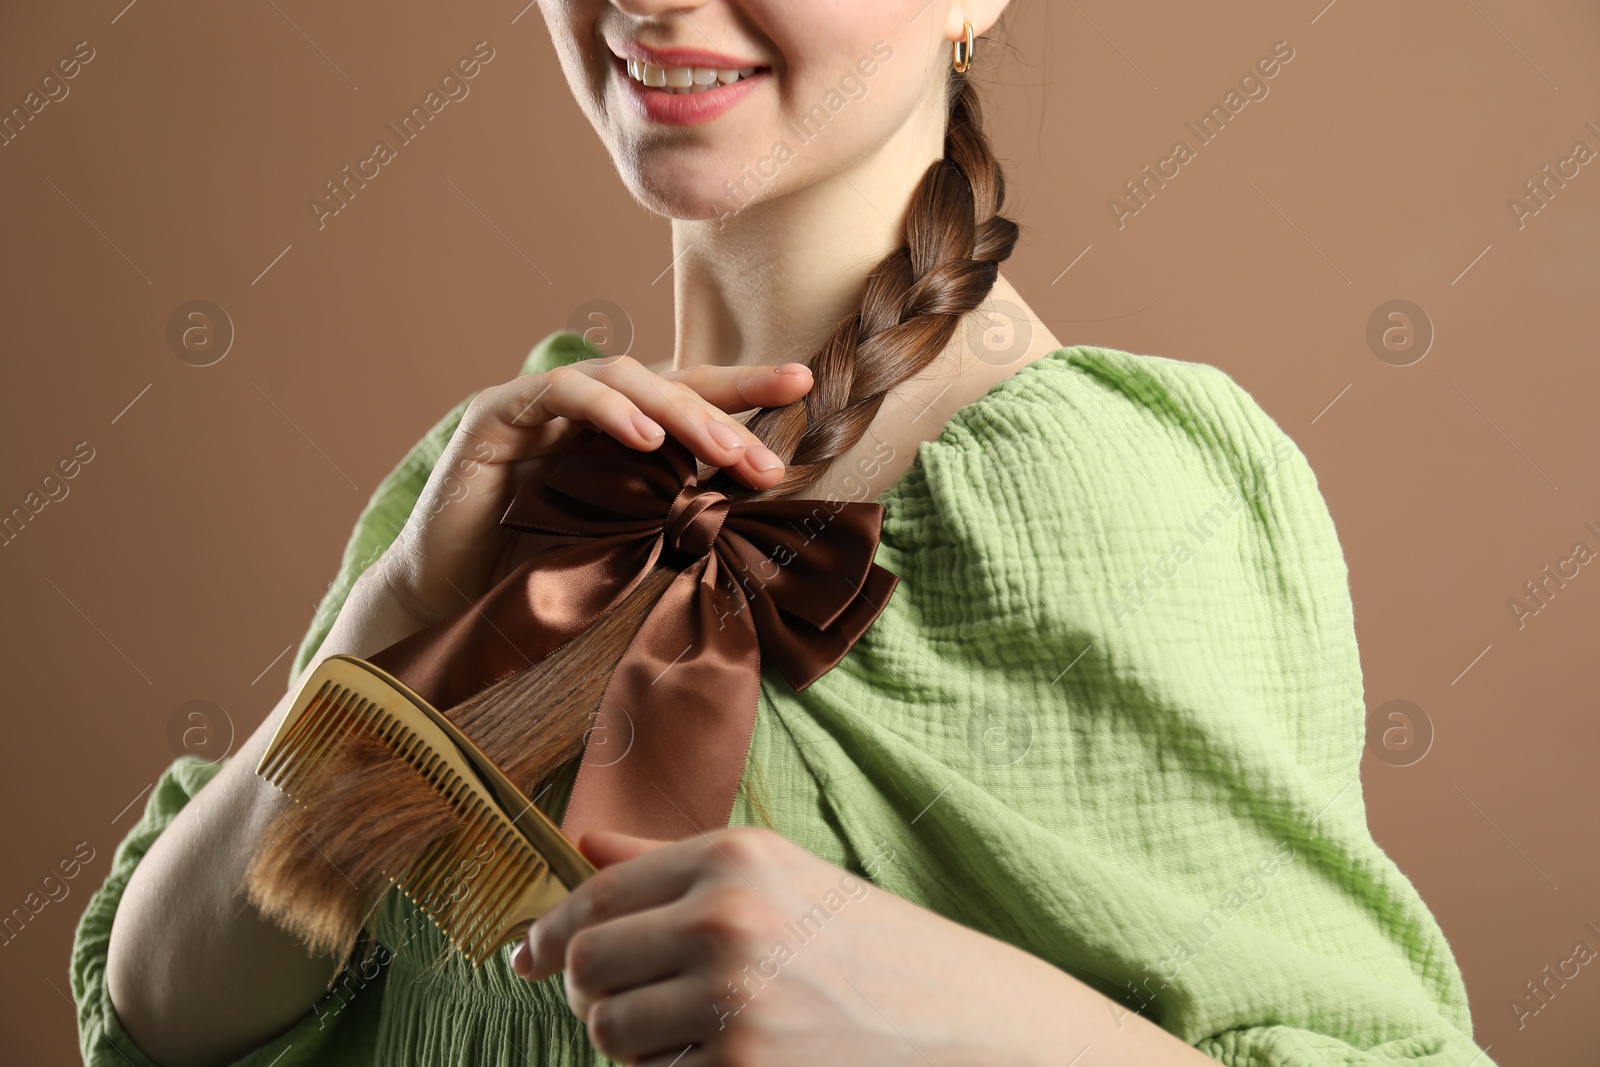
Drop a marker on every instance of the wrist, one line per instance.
(1040, 1016)
(1062, 1017)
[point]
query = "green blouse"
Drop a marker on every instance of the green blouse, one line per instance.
(1113, 715)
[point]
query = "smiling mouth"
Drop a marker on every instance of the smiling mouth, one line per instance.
(682, 81)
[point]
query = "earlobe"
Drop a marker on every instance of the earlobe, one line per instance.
(982, 14)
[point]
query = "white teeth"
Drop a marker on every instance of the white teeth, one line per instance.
(683, 79)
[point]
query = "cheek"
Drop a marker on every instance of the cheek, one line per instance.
(578, 50)
(835, 114)
(861, 75)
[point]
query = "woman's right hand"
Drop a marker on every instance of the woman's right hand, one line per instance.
(453, 549)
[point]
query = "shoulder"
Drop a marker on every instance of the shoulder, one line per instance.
(1178, 446)
(1131, 501)
(1083, 407)
(557, 350)
(1098, 434)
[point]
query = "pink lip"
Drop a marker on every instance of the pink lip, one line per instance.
(685, 109)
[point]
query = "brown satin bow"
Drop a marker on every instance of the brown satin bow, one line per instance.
(792, 577)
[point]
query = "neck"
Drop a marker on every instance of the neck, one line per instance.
(769, 284)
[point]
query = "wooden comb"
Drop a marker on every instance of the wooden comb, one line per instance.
(531, 864)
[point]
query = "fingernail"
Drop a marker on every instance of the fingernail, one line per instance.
(646, 425)
(762, 458)
(521, 962)
(792, 368)
(724, 435)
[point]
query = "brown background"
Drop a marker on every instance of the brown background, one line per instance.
(192, 548)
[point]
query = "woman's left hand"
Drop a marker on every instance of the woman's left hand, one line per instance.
(741, 947)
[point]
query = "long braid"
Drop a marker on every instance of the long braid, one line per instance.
(915, 298)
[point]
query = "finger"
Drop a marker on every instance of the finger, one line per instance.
(603, 848)
(653, 1020)
(736, 389)
(520, 419)
(635, 950)
(714, 436)
(654, 879)
(524, 418)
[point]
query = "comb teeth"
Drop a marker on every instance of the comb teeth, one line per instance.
(470, 908)
(335, 716)
(484, 878)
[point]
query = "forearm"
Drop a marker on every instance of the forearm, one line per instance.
(1056, 1017)
(997, 1003)
(196, 975)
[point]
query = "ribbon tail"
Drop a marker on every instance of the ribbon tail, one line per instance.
(667, 751)
(535, 609)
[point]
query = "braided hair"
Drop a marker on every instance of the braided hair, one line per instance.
(915, 298)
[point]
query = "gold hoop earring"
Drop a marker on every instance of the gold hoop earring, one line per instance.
(961, 52)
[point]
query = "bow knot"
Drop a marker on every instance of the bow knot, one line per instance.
(793, 580)
(693, 522)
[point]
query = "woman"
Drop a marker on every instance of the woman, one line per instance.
(1087, 790)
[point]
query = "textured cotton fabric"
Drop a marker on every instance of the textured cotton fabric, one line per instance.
(1113, 715)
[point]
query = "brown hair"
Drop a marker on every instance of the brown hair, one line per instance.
(318, 872)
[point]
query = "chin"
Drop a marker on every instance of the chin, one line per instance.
(693, 194)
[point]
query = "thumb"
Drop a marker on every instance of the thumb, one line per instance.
(604, 848)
